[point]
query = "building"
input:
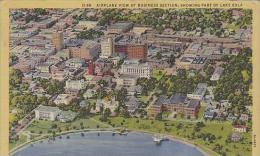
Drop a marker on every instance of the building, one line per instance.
(106, 103)
(244, 117)
(191, 110)
(119, 27)
(136, 51)
(240, 128)
(59, 75)
(75, 63)
(133, 48)
(86, 25)
(66, 116)
(209, 115)
(140, 30)
(235, 137)
(177, 103)
(89, 93)
(134, 67)
(46, 113)
(91, 68)
(61, 26)
(103, 67)
(132, 104)
(44, 24)
(199, 92)
(107, 47)
(190, 61)
(217, 73)
(89, 50)
(126, 80)
(75, 84)
(134, 90)
(44, 68)
(57, 39)
(23, 66)
(115, 60)
(64, 99)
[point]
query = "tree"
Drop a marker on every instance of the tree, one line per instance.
(159, 55)
(89, 34)
(105, 115)
(158, 116)
(171, 60)
(121, 95)
(15, 77)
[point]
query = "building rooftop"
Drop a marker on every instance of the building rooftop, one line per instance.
(162, 99)
(47, 109)
(121, 25)
(193, 103)
(74, 42)
(200, 89)
(68, 115)
(177, 98)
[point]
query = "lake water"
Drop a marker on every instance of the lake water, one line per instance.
(134, 144)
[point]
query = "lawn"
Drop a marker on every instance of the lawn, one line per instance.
(157, 74)
(201, 112)
(22, 139)
(245, 75)
(143, 98)
(41, 126)
(185, 130)
(233, 27)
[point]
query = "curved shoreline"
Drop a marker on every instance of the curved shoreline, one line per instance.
(172, 138)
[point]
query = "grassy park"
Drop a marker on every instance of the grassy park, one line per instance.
(189, 131)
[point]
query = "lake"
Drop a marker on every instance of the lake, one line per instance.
(134, 144)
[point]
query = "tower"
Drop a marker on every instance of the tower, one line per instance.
(57, 39)
(91, 68)
(107, 47)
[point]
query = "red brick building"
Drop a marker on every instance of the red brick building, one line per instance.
(132, 51)
(177, 103)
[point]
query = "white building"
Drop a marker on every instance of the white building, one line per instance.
(217, 73)
(75, 84)
(107, 48)
(46, 112)
(199, 92)
(134, 67)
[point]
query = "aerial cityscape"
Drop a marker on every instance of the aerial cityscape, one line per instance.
(178, 74)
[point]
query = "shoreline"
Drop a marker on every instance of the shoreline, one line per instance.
(173, 138)
(170, 137)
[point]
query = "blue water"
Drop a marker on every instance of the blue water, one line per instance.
(134, 144)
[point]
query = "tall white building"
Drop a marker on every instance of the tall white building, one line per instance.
(134, 67)
(107, 48)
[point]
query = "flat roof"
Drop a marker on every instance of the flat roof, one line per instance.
(47, 109)
(120, 25)
(200, 89)
(193, 103)
(177, 98)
